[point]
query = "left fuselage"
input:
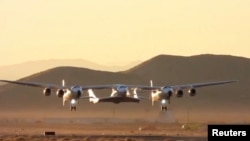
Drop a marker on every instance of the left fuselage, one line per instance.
(72, 94)
(159, 96)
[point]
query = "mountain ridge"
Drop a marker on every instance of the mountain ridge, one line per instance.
(28, 68)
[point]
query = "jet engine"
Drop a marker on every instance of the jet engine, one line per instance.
(192, 92)
(179, 93)
(168, 91)
(60, 92)
(77, 90)
(47, 91)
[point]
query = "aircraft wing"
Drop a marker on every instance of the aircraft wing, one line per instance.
(147, 87)
(54, 86)
(186, 86)
(197, 85)
(35, 84)
(118, 99)
(109, 86)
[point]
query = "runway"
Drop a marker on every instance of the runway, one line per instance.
(101, 138)
(98, 129)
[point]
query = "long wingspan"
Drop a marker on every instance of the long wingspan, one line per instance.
(54, 86)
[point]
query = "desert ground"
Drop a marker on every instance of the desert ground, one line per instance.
(14, 127)
(117, 123)
(110, 125)
(68, 130)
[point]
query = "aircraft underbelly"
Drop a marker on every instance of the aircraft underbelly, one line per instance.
(119, 99)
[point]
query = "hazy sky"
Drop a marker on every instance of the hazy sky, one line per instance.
(113, 31)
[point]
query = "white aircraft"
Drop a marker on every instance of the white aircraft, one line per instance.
(120, 93)
(164, 93)
(67, 93)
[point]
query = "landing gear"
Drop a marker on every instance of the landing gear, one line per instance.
(72, 108)
(164, 108)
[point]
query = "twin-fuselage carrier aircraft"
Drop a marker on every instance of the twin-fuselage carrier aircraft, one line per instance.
(120, 92)
(164, 93)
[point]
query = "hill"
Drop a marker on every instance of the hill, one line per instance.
(179, 69)
(229, 101)
(28, 68)
(174, 70)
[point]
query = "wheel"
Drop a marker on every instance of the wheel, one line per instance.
(166, 108)
(163, 108)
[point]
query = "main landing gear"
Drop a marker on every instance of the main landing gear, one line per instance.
(164, 108)
(72, 108)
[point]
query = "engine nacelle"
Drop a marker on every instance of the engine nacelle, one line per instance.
(47, 91)
(192, 92)
(77, 90)
(179, 93)
(168, 91)
(60, 92)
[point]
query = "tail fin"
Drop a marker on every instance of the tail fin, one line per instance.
(92, 96)
(63, 83)
(113, 92)
(135, 93)
(152, 93)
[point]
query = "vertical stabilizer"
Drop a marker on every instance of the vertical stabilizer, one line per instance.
(63, 83)
(113, 92)
(135, 93)
(152, 93)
